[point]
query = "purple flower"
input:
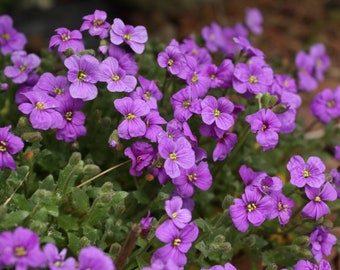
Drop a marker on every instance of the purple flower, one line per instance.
(152, 121)
(252, 208)
(116, 78)
(147, 91)
(178, 242)
(95, 259)
(57, 260)
(141, 154)
(255, 77)
(21, 249)
(42, 109)
(220, 76)
(309, 173)
(307, 265)
(177, 154)
(248, 175)
(135, 37)
(24, 64)
(254, 20)
(172, 59)
(132, 125)
(54, 86)
(225, 144)
(83, 74)
(321, 242)
(321, 60)
(337, 152)
(227, 266)
(305, 63)
(10, 39)
(66, 39)
(282, 208)
(266, 125)
(217, 111)
(197, 176)
(73, 119)
(190, 48)
(317, 208)
(196, 78)
(178, 215)
(326, 105)
(185, 103)
(126, 60)
(268, 185)
(145, 224)
(246, 48)
(159, 264)
(213, 36)
(96, 24)
(335, 174)
(9, 145)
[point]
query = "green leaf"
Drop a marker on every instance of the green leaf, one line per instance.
(141, 197)
(14, 219)
(202, 224)
(68, 223)
(48, 183)
(80, 199)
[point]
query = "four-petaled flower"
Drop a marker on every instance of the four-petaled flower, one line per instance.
(310, 173)
(132, 125)
(135, 37)
(252, 208)
(9, 145)
(317, 208)
(177, 154)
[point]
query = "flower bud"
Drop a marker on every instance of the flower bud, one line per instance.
(75, 158)
(227, 201)
(115, 249)
(32, 136)
(91, 169)
(302, 240)
(272, 266)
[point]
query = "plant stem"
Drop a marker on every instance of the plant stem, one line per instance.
(102, 173)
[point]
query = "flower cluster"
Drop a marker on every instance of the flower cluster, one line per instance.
(222, 112)
(21, 249)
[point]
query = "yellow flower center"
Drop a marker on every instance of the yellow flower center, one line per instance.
(20, 251)
(192, 177)
(176, 242)
(81, 75)
(212, 76)
(58, 263)
(3, 146)
(22, 68)
(39, 105)
(68, 116)
(186, 104)
(281, 206)
(306, 173)
(5, 36)
(65, 37)
(115, 77)
(194, 78)
(217, 113)
(96, 22)
(251, 207)
(173, 156)
(174, 215)
(127, 36)
(130, 116)
(58, 91)
(317, 199)
(264, 127)
(330, 104)
(147, 95)
(170, 62)
(252, 79)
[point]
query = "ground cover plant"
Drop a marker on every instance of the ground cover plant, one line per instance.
(134, 154)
